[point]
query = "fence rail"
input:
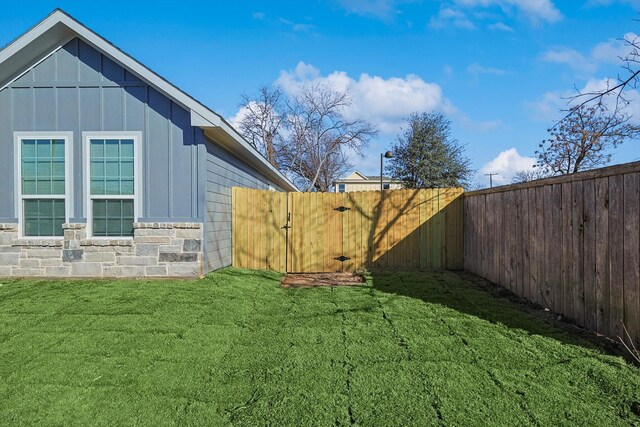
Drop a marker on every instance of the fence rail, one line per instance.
(309, 232)
(571, 244)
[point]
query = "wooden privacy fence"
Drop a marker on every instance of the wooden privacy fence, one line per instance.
(570, 244)
(328, 232)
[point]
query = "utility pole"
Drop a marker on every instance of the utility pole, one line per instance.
(490, 175)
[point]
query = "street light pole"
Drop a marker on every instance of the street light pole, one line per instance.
(387, 155)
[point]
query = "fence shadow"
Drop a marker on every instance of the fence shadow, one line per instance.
(471, 295)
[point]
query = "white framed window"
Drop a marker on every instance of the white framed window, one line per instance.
(112, 183)
(43, 162)
(341, 188)
(386, 186)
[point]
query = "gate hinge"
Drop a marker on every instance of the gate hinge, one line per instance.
(341, 209)
(342, 258)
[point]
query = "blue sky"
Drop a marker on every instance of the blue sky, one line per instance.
(499, 69)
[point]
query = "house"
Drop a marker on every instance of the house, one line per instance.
(109, 170)
(360, 182)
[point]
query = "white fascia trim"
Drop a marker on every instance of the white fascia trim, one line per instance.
(87, 211)
(68, 176)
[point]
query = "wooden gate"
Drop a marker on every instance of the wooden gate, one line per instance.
(328, 232)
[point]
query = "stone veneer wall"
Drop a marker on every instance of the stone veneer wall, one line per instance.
(156, 250)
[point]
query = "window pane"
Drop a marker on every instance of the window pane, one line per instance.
(28, 148)
(111, 148)
(43, 168)
(126, 148)
(113, 218)
(43, 217)
(112, 163)
(43, 148)
(97, 148)
(43, 186)
(97, 186)
(126, 187)
(57, 168)
(112, 186)
(58, 148)
(29, 169)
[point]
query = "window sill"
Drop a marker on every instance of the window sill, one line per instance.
(107, 242)
(57, 242)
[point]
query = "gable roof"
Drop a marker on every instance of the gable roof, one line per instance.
(59, 28)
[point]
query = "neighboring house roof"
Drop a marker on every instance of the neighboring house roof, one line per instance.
(58, 28)
(358, 177)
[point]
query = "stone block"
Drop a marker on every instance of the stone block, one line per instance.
(147, 249)
(175, 257)
(7, 237)
(27, 272)
(29, 263)
(5, 271)
(155, 271)
(192, 245)
(51, 262)
(91, 269)
(170, 248)
(72, 244)
(59, 271)
(72, 255)
(43, 253)
(153, 239)
(10, 258)
(191, 269)
(145, 232)
(100, 257)
(188, 233)
(137, 260)
(131, 271)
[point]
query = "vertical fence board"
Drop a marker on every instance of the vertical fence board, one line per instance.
(602, 256)
(631, 255)
(616, 254)
(589, 245)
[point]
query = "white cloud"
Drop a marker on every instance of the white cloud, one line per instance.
(237, 118)
(570, 57)
(606, 52)
(506, 165)
(534, 10)
(548, 107)
(613, 50)
(385, 102)
(499, 26)
(449, 17)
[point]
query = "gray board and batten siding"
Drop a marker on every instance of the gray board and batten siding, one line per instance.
(185, 176)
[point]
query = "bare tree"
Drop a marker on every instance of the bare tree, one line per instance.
(583, 139)
(320, 136)
(263, 121)
(629, 79)
(529, 175)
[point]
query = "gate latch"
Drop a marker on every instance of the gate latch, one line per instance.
(341, 209)
(342, 258)
(287, 226)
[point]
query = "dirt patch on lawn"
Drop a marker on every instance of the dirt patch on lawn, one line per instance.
(311, 280)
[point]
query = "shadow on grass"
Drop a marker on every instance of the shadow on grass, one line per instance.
(466, 293)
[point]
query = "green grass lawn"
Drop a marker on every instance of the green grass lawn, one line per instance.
(234, 348)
